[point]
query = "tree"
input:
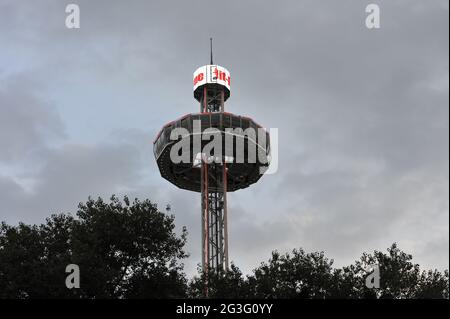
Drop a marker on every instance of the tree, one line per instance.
(432, 284)
(399, 277)
(311, 275)
(122, 250)
(130, 250)
(300, 275)
(346, 284)
(229, 284)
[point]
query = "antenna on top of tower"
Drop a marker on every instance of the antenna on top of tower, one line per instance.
(210, 42)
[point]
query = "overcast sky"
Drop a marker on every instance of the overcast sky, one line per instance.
(363, 116)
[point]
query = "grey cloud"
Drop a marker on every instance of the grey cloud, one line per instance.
(27, 122)
(363, 115)
(70, 175)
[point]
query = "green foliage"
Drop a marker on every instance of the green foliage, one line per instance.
(131, 250)
(229, 284)
(299, 275)
(399, 275)
(123, 250)
(311, 275)
(432, 284)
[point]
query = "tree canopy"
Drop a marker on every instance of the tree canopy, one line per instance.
(131, 250)
(122, 249)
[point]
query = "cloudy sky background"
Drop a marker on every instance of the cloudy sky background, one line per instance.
(362, 116)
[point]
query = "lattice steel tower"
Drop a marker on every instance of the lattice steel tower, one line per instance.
(214, 181)
(213, 175)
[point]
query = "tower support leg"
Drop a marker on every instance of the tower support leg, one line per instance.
(214, 219)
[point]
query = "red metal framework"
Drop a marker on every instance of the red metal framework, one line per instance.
(214, 210)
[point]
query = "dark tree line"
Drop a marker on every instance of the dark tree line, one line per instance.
(123, 250)
(311, 275)
(131, 250)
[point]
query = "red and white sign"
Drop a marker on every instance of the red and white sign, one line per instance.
(212, 74)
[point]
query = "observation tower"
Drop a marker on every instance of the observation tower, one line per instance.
(212, 152)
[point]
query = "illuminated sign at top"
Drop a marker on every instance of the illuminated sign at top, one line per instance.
(211, 74)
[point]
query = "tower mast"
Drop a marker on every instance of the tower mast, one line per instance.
(212, 175)
(214, 187)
